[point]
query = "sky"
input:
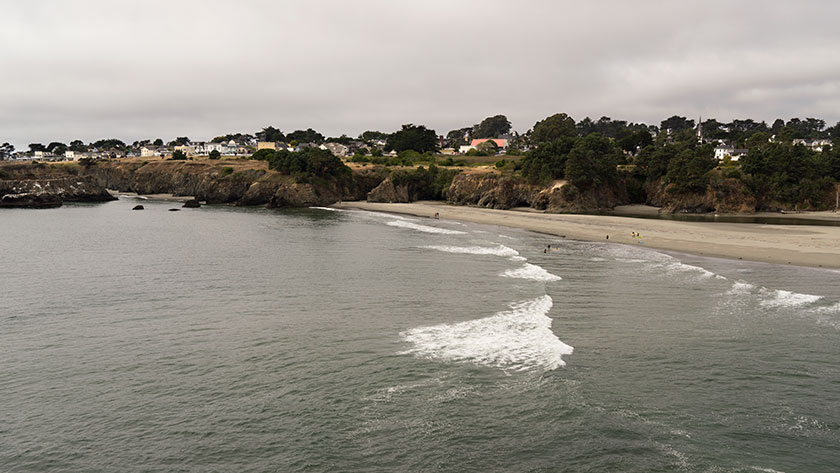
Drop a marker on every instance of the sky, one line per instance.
(91, 69)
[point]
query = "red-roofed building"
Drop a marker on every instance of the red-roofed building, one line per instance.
(502, 144)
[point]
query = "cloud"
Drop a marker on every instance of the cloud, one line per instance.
(90, 69)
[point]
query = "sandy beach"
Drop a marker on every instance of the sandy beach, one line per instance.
(803, 245)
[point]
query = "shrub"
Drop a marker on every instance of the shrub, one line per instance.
(215, 154)
(178, 155)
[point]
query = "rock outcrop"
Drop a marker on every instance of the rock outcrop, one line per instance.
(505, 192)
(387, 191)
(34, 186)
(494, 191)
(218, 184)
(720, 196)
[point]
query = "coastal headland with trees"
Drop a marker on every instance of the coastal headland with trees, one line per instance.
(559, 165)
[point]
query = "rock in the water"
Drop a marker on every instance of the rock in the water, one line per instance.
(174, 210)
(30, 201)
(138, 207)
(192, 204)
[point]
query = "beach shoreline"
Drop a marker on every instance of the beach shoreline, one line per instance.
(801, 245)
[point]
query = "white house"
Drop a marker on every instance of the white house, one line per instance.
(816, 145)
(722, 151)
(337, 149)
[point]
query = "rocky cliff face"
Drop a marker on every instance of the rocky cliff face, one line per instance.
(568, 199)
(217, 184)
(494, 191)
(41, 185)
(387, 191)
(721, 196)
(36, 186)
(505, 192)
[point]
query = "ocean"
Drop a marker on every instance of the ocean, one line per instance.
(321, 340)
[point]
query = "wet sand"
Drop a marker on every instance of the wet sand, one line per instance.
(803, 245)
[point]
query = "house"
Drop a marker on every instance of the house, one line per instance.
(337, 149)
(724, 150)
(267, 145)
(230, 148)
(189, 150)
(149, 151)
(816, 145)
(501, 143)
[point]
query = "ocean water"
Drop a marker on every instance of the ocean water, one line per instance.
(229, 339)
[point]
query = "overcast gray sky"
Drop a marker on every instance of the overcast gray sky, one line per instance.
(92, 69)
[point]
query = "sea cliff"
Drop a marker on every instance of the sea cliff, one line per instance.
(250, 182)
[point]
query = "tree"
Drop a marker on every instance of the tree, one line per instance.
(777, 125)
(492, 127)
(688, 170)
(676, 123)
(6, 150)
(371, 135)
(157, 142)
(413, 137)
(109, 143)
(78, 146)
(57, 148)
(306, 136)
(180, 141)
(547, 161)
(269, 133)
(215, 154)
(632, 141)
(714, 130)
(457, 138)
(556, 126)
(33, 147)
(178, 155)
(591, 162)
(311, 162)
(343, 139)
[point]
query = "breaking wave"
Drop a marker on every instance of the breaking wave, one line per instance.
(423, 228)
(531, 271)
(781, 298)
(499, 250)
(654, 261)
(519, 339)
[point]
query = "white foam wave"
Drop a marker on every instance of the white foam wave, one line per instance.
(654, 261)
(327, 208)
(499, 250)
(765, 470)
(423, 228)
(828, 309)
(518, 258)
(741, 288)
(678, 267)
(531, 271)
(517, 339)
(781, 298)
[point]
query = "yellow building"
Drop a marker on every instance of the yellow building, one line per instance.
(266, 145)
